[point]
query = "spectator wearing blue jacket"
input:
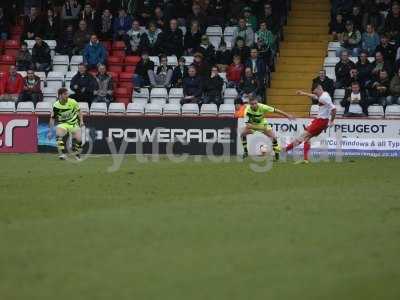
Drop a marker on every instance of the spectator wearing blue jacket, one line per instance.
(257, 65)
(94, 53)
(370, 40)
(122, 24)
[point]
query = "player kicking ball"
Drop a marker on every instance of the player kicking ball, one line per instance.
(67, 114)
(326, 117)
(256, 121)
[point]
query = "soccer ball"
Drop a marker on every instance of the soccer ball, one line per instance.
(264, 150)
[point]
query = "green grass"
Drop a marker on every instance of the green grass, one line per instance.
(197, 231)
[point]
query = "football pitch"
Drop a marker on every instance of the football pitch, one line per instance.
(198, 230)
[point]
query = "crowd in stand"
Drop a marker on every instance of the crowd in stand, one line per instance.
(149, 28)
(365, 28)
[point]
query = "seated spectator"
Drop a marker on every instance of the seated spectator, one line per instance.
(213, 87)
(202, 67)
(163, 75)
(83, 85)
(151, 42)
(257, 66)
(11, 85)
(65, 44)
(235, 72)
(41, 57)
(31, 90)
(94, 53)
(327, 84)
(356, 17)
(70, 11)
(379, 90)
(4, 25)
(192, 87)
(380, 64)
(106, 25)
(31, 24)
(144, 69)
(103, 90)
(251, 20)
(241, 49)
(235, 9)
(354, 98)
(337, 28)
(351, 40)
(24, 58)
(90, 16)
(192, 38)
(50, 26)
(392, 22)
(245, 32)
(388, 50)
(342, 70)
(266, 38)
(395, 89)
(171, 40)
(223, 56)
(207, 49)
(198, 16)
(122, 24)
(353, 78)
(159, 17)
(81, 38)
(135, 39)
(180, 72)
(271, 19)
(370, 40)
(364, 68)
(249, 86)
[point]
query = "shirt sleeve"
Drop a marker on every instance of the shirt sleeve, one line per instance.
(267, 108)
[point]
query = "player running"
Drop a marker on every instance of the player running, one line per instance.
(67, 114)
(326, 117)
(256, 121)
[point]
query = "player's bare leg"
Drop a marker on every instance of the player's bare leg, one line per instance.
(275, 146)
(77, 143)
(304, 138)
(60, 134)
(246, 131)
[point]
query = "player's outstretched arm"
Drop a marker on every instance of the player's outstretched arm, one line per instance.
(282, 113)
(302, 93)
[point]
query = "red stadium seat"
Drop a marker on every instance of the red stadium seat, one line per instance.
(17, 30)
(123, 95)
(115, 68)
(125, 76)
(107, 45)
(125, 84)
(114, 60)
(132, 60)
(12, 44)
(114, 75)
(7, 59)
(120, 53)
(130, 69)
(4, 68)
(118, 45)
(11, 52)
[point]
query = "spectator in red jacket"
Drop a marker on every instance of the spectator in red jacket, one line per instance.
(11, 85)
(32, 91)
(235, 72)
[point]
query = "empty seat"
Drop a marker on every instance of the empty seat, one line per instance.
(354, 59)
(98, 108)
(30, 43)
(183, 29)
(50, 94)
(230, 93)
(314, 109)
(331, 61)
(176, 93)
(172, 109)
(153, 109)
(135, 109)
(52, 44)
(215, 41)
(159, 101)
(214, 31)
(226, 110)
(190, 109)
(188, 60)
(339, 94)
(210, 109)
(392, 111)
(159, 93)
(175, 100)
(25, 107)
(330, 72)
(143, 93)
(22, 73)
(155, 60)
(69, 75)
(44, 108)
(61, 60)
(76, 60)
(339, 110)
(375, 111)
(144, 101)
(7, 107)
(84, 107)
(355, 109)
(116, 108)
(229, 30)
(229, 101)
(55, 79)
(60, 68)
(172, 60)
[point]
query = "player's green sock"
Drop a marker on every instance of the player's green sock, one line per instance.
(60, 144)
(276, 148)
(244, 143)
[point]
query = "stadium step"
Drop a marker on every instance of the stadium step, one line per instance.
(301, 55)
